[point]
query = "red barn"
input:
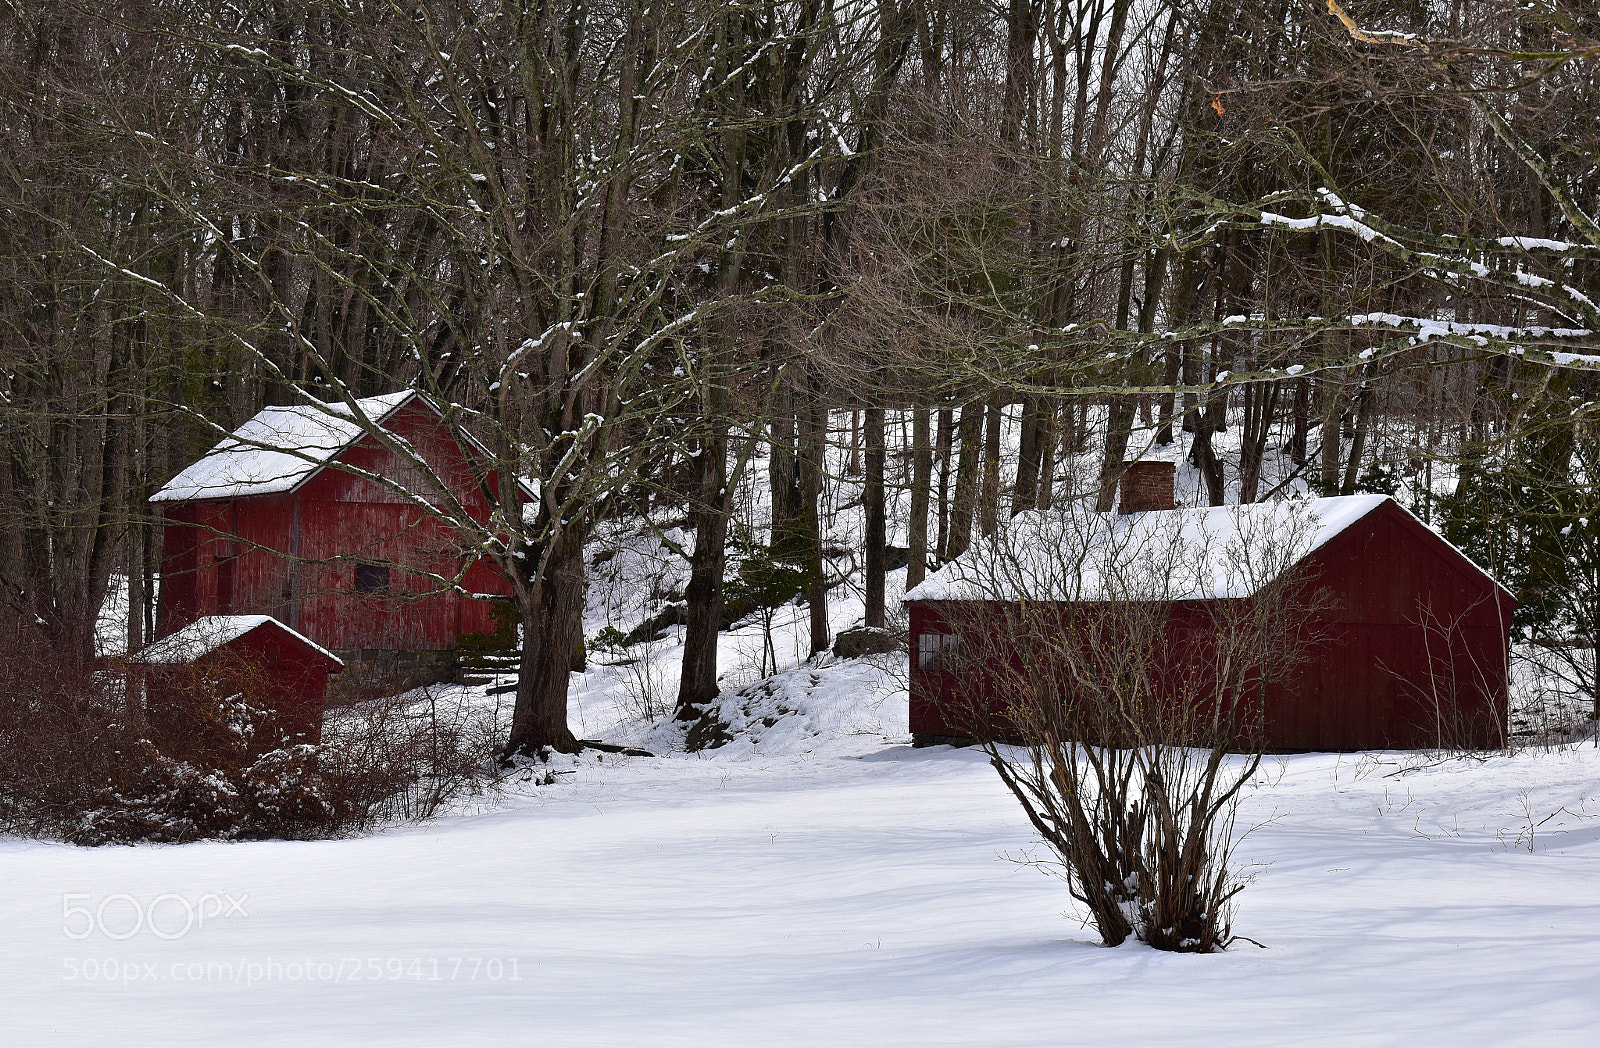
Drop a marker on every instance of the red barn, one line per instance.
(1414, 636)
(276, 521)
(273, 668)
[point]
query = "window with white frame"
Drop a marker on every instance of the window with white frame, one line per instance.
(937, 651)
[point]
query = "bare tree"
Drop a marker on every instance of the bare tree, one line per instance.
(533, 191)
(1130, 657)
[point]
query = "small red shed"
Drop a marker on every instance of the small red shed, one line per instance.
(1415, 636)
(255, 657)
(278, 519)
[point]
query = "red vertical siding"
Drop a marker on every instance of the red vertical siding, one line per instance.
(1417, 649)
(179, 598)
(294, 684)
(299, 680)
(1413, 650)
(294, 555)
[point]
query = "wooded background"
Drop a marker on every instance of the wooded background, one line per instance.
(637, 246)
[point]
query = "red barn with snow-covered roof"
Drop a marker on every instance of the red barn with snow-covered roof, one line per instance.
(278, 520)
(1414, 636)
(284, 674)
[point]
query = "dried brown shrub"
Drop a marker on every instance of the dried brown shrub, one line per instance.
(80, 762)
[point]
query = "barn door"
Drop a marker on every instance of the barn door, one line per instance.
(280, 590)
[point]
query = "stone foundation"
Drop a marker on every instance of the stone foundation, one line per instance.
(920, 739)
(370, 672)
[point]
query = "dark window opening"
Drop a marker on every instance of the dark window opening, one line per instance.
(937, 651)
(372, 578)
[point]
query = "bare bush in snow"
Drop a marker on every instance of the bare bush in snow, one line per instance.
(86, 759)
(1130, 659)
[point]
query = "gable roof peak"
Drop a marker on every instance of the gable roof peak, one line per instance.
(1211, 552)
(205, 635)
(280, 448)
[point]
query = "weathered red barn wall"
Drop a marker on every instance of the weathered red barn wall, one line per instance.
(289, 677)
(180, 552)
(1416, 651)
(938, 709)
(1380, 677)
(299, 676)
(294, 556)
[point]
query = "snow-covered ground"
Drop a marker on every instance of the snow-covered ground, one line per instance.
(815, 882)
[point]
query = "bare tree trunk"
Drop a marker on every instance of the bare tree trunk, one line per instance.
(990, 507)
(1302, 422)
(136, 600)
(921, 475)
(1331, 426)
(1260, 408)
(1190, 368)
(853, 469)
(697, 685)
(966, 481)
(1173, 358)
(1047, 460)
(872, 496)
(1025, 493)
(154, 549)
(1204, 457)
(945, 453)
(135, 567)
(781, 467)
(813, 431)
(137, 533)
(1208, 415)
(1358, 440)
(1119, 424)
(552, 627)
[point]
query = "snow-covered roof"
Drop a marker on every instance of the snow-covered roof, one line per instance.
(206, 635)
(1183, 554)
(277, 450)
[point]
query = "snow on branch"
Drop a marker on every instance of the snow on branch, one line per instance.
(1581, 220)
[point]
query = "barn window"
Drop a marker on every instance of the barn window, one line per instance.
(372, 578)
(937, 651)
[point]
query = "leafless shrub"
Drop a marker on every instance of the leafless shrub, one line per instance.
(1130, 657)
(647, 690)
(895, 665)
(406, 757)
(750, 666)
(82, 759)
(1547, 711)
(206, 757)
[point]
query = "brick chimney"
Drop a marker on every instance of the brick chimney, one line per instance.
(1147, 486)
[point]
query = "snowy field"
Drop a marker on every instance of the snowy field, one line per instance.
(819, 882)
